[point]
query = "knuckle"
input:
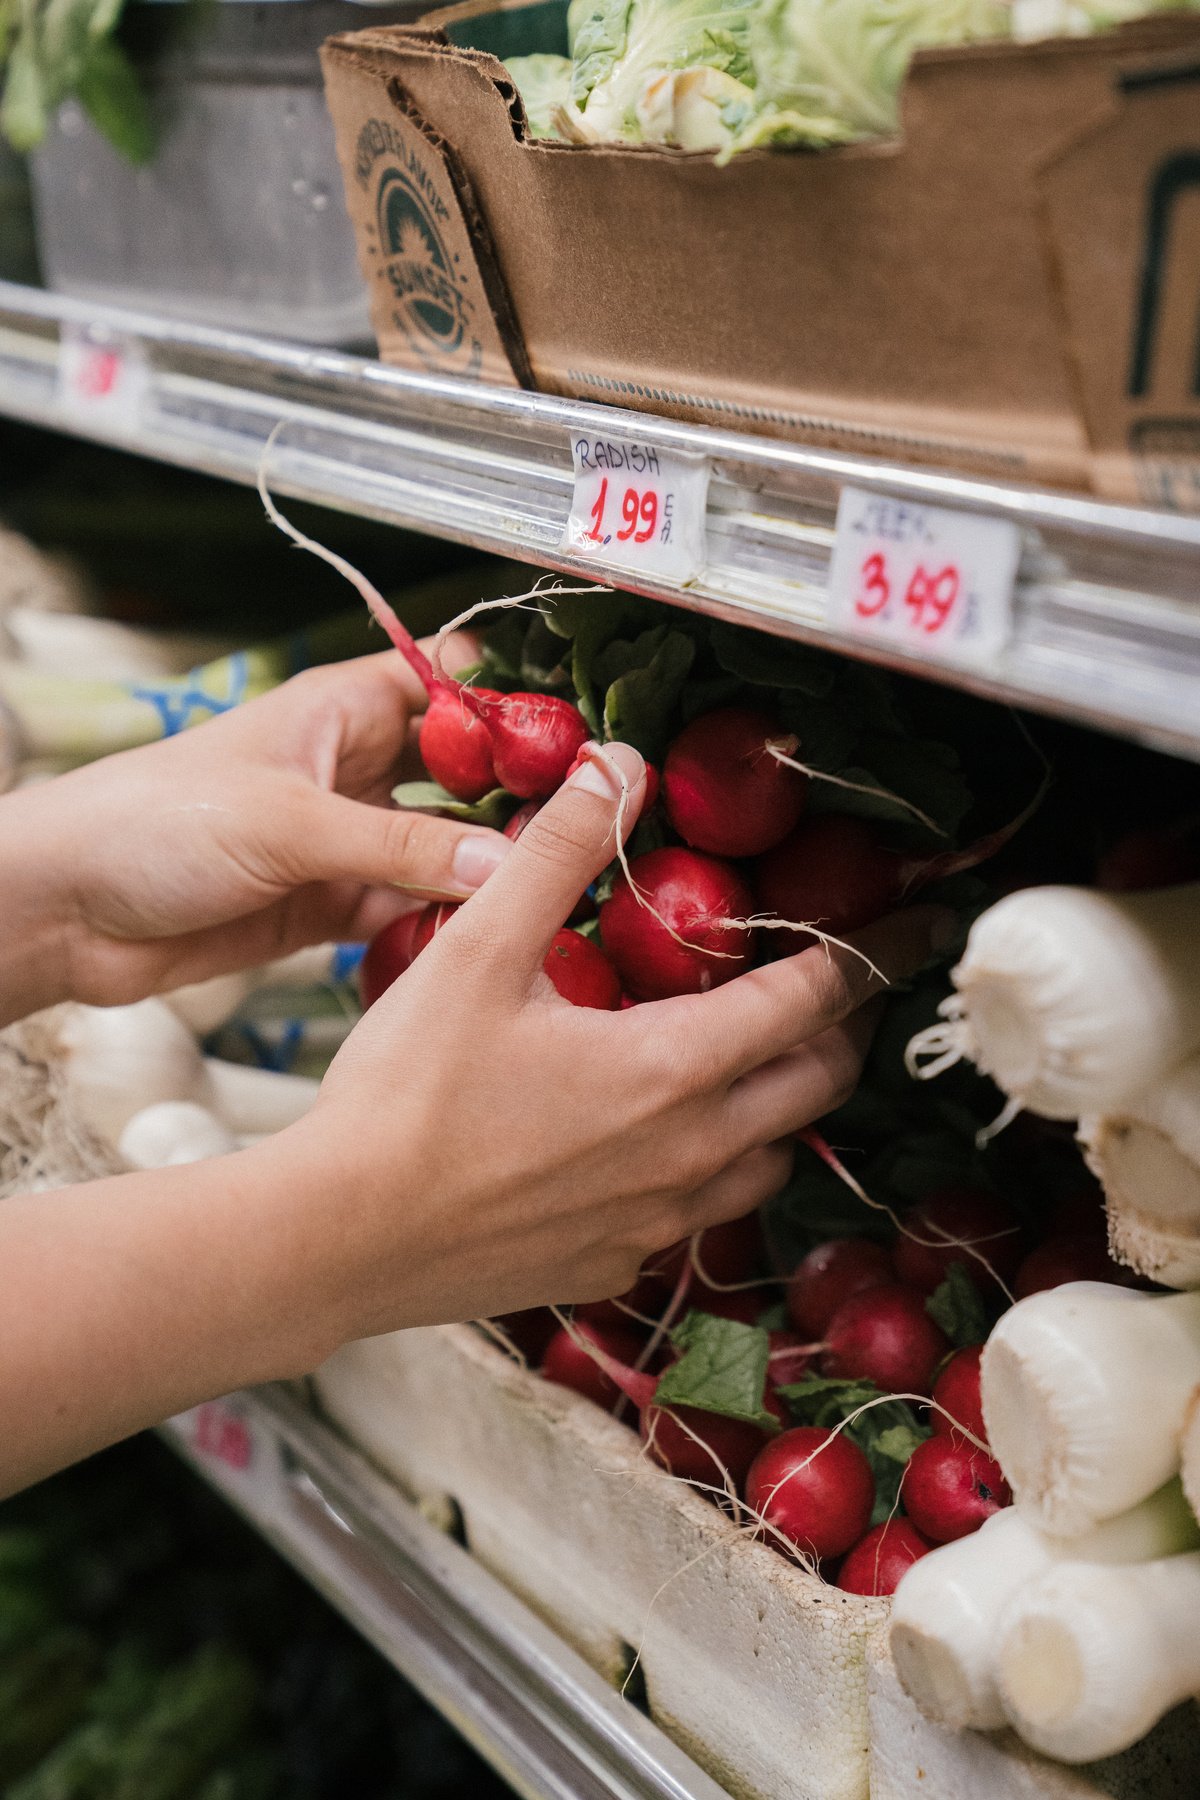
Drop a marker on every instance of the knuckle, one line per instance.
(829, 989)
(556, 835)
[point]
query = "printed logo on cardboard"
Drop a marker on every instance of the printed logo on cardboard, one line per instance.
(429, 302)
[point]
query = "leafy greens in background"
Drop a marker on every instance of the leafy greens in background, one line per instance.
(52, 49)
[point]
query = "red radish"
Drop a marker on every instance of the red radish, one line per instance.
(455, 746)
(581, 972)
(1080, 1213)
(829, 1275)
(520, 819)
(723, 790)
(725, 1444)
(884, 1335)
(979, 1231)
(877, 1562)
(534, 739)
(831, 872)
(957, 1390)
(395, 948)
(744, 1304)
(1161, 856)
(570, 1365)
(727, 1253)
(789, 1358)
(950, 1488)
(695, 895)
(530, 1331)
(1081, 1256)
(815, 1488)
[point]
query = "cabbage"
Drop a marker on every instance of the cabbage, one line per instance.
(544, 84)
(620, 48)
(831, 70)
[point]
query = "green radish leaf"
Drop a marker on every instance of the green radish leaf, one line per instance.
(887, 1433)
(773, 662)
(723, 1369)
(503, 650)
(921, 771)
(957, 1307)
(24, 106)
(429, 797)
(639, 705)
(112, 97)
(827, 730)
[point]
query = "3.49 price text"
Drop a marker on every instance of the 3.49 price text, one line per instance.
(928, 600)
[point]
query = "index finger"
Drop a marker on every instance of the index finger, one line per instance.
(772, 1009)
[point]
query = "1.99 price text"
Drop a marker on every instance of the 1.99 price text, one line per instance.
(640, 512)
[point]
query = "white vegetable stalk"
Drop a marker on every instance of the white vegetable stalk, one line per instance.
(1147, 1157)
(946, 1612)
(1085, 1389)
(1074, 1001)
(73, 644)
(119, 1060)
(1091, 1658)
(204, 1005)
(173, 1132)
(1189, 1456)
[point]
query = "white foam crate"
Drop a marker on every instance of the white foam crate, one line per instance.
(759, 1670)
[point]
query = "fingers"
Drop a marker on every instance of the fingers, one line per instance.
(802, 1085)
(739, 1189)
(340, 839)
(774, 1008)
(563, 848)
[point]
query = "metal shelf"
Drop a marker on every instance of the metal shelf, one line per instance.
(1106, 624)
(546, 1721)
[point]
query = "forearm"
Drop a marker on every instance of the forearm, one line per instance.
(34, 884)
(126, 1300)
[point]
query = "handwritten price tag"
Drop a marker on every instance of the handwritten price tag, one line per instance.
(102, 379)
(925, 579)
(638, 508)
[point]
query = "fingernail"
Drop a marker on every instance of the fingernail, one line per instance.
(943, 928)
(601, 774)
(477, 856)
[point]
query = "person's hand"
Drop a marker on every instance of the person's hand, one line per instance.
(264, 830)
(480, 1145)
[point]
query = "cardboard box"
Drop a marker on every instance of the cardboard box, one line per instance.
(1009, 287)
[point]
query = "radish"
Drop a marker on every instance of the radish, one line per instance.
(832, 871)
(524, 813)
(884, 1335)
(1079, 1256)
(455, 745)
(726, 1447)
(815, 1488)
(1158, 856)
(950, 1488)
(568, 1363)
(396, 947)
(534, 740)
(723, 790)
(830, 1274)
(530, 1330)
(581, 972)
(727, 1253)
(957, 1390)
(877, 1562)
(686, 944)
(958, 1225)
(650, 792)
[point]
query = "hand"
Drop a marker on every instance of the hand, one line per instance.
(492, 1147)
(264, 830)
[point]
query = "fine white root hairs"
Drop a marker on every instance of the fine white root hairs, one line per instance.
(857, 787)
(527, 602)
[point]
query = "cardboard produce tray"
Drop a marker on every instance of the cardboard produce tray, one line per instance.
(1010, 286)
(756, 1668)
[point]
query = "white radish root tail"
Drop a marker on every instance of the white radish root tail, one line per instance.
(857, 787)
(525, 602)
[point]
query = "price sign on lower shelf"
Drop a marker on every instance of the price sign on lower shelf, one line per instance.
(927, 580)
(638, 508)
(102, 379)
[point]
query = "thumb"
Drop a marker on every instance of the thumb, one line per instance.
(564, 847)
(347, 840)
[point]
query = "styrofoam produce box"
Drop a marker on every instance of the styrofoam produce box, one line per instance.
(755, 1667)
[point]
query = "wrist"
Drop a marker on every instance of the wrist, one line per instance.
(34, 901)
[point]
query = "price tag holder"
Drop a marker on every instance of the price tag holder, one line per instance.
(638, 508)
(242, 1455)
(926, 580)
(103, 378)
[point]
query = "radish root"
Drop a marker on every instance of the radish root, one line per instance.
(857, 787)
(526, 602)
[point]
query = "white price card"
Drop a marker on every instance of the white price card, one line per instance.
(927, 580)
(638, 508)
(103, 377)
(242, 1454)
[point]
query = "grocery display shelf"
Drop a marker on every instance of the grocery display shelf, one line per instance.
(551, 1727)
(1105, 623)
